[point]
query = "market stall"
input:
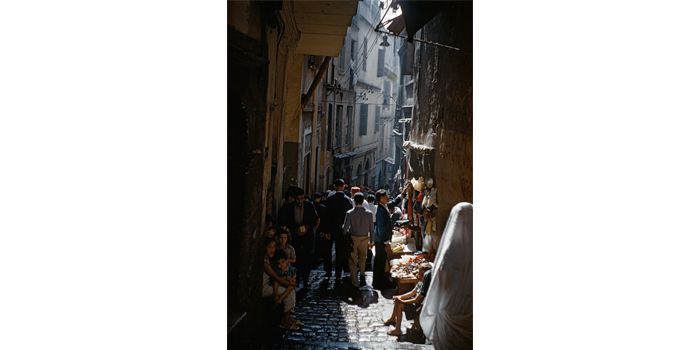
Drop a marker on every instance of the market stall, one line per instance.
(401, 243)
(405, 269)
(401, 253)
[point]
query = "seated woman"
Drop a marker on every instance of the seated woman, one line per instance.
(270, 277)
(414, 298)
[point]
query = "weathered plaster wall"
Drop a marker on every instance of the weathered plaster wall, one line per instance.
(265, 118)
(292, 121)
(443, 112)
(248, 116)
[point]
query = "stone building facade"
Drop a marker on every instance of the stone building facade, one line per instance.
(360, 95)
(271, 138)
(441, 125)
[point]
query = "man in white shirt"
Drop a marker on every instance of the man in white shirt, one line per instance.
(371, 206)
(358, 223)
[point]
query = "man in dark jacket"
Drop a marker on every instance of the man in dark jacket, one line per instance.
(284, 210)
(337, 205)
(382, 237)
(301, 219)
(323, 236)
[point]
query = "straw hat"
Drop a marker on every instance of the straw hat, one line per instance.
(417, 184)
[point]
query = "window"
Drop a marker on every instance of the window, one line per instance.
(307, 143)
(352, 50)
(409, 90)
(332, 72)
(328, 177)
(364, 54)
(329, 75)
(366, 182)
(377, 118)
(348, 127)
(396, 66)
(338, 128)
(381, 143)
(350, 117)
(380, 63)
(329, 132)
(341, 59)
(363, 119)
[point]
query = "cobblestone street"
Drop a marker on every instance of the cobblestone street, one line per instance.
(336, 317)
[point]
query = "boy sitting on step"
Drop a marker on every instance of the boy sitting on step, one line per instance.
(285, 295)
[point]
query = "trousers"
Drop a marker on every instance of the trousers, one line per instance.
(304, 246)
(342, 251)
(325, 252)
(379, 265)
(358, 254)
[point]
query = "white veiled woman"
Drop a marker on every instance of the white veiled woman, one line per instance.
(446, 317)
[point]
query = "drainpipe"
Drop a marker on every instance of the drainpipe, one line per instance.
(317, 79)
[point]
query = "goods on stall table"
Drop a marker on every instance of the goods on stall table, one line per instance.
(406, 268)
(398, 248)
(398, 243)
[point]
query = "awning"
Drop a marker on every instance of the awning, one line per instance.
(417, 147)
(420, 159)
(414, 15)
(397, 25)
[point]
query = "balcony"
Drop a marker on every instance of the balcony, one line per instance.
(322, 25)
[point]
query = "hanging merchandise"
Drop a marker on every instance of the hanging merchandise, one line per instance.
(420, 159)
(430, 198)
(430, 206)
(428, 243)
(429, 223)
(419, 184)
(409, 203)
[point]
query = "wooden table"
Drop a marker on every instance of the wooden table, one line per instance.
(404, 285)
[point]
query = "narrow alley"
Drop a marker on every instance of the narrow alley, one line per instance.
(352, 136)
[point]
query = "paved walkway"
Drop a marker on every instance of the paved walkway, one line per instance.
(336, 317)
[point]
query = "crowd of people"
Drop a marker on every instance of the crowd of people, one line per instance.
(308, 229)
(358, 226)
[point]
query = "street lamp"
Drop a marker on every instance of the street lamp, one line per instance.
(385, 41)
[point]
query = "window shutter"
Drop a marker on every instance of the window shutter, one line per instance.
(363, 119)
(377, 116)
(380, 63)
